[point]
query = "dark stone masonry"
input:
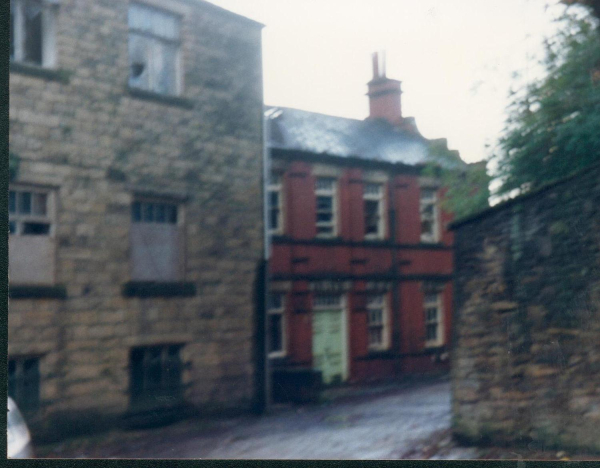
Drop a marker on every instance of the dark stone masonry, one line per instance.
(526, 345)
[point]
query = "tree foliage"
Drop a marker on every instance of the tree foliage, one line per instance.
(466, 186)
(553, 128)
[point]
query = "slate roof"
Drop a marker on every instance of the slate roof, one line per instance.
(339, 136)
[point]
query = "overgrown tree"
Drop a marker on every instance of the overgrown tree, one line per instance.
(553, 128)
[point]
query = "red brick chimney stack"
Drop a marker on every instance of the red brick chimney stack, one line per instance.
(384, 94)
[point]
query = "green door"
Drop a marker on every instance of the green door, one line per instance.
(328, 345)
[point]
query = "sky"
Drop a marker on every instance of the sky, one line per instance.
(455, 58)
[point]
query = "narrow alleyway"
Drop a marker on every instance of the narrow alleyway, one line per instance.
(385, 422)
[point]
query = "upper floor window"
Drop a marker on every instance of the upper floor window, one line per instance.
(156, 241)
(434, 327)
(32, 31)
(154, 49)
(29, 212)
(377, 322)
(276, 324)
(326, 194)
(275, 204)
(429, 215)
(373, 202)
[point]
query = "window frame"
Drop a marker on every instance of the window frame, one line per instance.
(333, 193)
(22, 218)
(384, 324)
(380, 199)
(48, 32)
(276, 187)
(143, 393)
(439, 319)
(283, 332)
(424, 203)
(177, 43)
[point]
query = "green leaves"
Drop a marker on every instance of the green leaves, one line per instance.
(553, 127)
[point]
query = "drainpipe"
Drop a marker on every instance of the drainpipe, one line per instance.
(267, 255)
(395, 272)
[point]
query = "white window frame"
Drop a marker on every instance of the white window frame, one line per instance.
(429, 303)
(20, 219)
(49, 13)
(278, 311)
(276, 186)
(424, 204)
(177, 91)
(373, 191)
(327, 192)
(378, 302)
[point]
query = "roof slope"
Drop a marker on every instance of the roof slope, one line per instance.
(339, 136)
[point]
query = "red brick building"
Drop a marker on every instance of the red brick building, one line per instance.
(361, 258)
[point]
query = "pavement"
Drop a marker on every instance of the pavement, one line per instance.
(409, 419)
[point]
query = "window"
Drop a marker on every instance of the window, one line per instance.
(373, 199)
(276, 325)
(156, 238)
(327, 301)
(154, 50)
(156, 375)
(377, 322)
(325, 191)
(24, 383)
(275, 205)
(31, 239)
(28, 213)
(429, 215)
(434, 327)
(32, 31)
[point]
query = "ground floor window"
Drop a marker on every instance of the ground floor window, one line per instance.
(156, 375)
(276, 325)
(377, 319)
(434, 333)
(24, 383)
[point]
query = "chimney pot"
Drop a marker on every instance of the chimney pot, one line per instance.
(384, 93)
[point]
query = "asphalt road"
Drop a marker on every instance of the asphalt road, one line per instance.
(385, 422)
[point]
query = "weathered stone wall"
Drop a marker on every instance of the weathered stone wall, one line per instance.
(526, 359)
(81, 131)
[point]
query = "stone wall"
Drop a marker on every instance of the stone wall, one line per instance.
(526, 358)
(81, 131)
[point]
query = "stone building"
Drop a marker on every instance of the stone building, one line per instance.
(136, 211)
(526, 354)
(361, 260)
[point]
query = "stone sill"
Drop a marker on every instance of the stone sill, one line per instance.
(160, 98)
(158, 289)
(50, 74)
(37, 292)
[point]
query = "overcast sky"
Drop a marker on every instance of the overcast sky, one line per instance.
(455, 58)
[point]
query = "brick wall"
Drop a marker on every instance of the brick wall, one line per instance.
(82, 133)
(526, 359)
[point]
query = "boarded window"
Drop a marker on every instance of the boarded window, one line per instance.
(31, 239)
(153, 49)
(156, 375)
(24, 383)
(156, 238)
